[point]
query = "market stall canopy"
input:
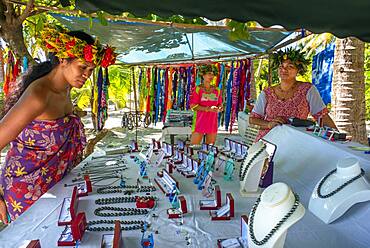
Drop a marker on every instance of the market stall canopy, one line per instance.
(343, 18)
(140, 43)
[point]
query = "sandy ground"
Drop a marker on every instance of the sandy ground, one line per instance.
(119, 136)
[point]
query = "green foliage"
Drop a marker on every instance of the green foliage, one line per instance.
(295, 56)
(119, 88)
(238, 30)
(119, 78)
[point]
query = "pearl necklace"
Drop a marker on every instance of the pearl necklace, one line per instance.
(117, 211)
(123, 199)
(119, 189)
(340, 187)
(135, 225)
(276, 227)
(242, 173)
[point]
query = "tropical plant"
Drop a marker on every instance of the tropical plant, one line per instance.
(119, 79)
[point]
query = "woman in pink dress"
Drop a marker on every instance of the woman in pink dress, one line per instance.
(206, 102)
(290, 98)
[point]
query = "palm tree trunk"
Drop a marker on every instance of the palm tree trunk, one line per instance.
(348, 99)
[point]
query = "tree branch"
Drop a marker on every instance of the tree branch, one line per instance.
(36, 12)
(27, 11)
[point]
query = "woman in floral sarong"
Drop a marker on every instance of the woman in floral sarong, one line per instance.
(46, 138)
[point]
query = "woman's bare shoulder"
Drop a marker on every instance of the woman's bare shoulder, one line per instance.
(38, 91)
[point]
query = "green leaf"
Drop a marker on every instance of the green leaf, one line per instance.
(101, 18)
(39, 24)
(90, 22)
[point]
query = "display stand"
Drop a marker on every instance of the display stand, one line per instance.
(256, 169)
(339, 190)
(174, 213)
(212, 204)
(226, 212)
(34, 244)
(69, 208)
(251, 170)
(239, 242)
(277, 209)
(84, 188)
(134, 146)
(219, 166)
(168, 150)
(166, 182)
(113, 240)
(192, 167)
(74, 232)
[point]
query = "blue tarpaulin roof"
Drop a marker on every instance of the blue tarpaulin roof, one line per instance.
(139, 42)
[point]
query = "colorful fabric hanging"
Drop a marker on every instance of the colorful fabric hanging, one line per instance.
(102, 83)
(170, 93)
(229, 97)
(220, 85)
(148, 85)
(242, 86)
(188, 86)
(158, 95)
(174, 89)
(24, 64)
(166, 83)
(235, 95)
(248, 73)
(161, 97)
(11, 73)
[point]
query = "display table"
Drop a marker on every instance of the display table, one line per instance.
(301, 160)
(173, 131)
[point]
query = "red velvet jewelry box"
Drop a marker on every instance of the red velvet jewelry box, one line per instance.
(226, 212)
(217, 201)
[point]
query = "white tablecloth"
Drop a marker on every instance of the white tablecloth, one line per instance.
(301, 161)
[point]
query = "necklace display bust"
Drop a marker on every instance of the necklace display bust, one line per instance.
(251, 170)
(339, 190)
(277, 209)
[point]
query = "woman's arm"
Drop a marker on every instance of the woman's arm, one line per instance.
(31, 104)
(3, 211)
(328, 121)
(263, 124)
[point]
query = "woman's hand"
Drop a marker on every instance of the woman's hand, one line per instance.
(276, 122)
(215, 109)
(3, 212)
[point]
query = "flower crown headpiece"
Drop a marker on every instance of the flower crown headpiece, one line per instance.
(65, 46)
(203, 69)
(297, 58)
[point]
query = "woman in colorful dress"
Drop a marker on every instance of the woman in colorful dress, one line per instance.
(290, 98)
(206, 102)
(46, 138)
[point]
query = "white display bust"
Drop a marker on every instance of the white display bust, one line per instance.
(335, 204)
(275, 203)
(252, 169)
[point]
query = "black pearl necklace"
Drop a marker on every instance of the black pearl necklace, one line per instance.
(130, 225)
(276, 227)
(117, 211)
(321, 183)
(123, 199)
(242, 173)
(119, 189)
